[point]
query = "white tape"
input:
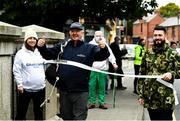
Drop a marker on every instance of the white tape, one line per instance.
(170, 86)
(83, 66)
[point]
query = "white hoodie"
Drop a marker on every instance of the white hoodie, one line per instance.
(28, 69)
(104, 65)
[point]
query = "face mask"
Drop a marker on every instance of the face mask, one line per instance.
(97, 39)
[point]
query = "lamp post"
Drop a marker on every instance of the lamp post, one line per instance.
(118, 32)
(178, 26)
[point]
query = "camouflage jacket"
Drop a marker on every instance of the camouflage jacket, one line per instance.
(155, 94)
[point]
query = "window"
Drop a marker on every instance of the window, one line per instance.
(141, 27)
(173, 33)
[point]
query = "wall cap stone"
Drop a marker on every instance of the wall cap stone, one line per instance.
(9, 29)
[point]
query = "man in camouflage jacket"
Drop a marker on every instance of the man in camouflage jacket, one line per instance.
(159, 60)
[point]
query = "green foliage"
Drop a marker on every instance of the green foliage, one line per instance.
(54, 13)
(169, 10)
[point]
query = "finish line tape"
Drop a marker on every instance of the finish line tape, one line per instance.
(170, 86)
(83, 66)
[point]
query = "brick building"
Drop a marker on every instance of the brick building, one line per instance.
(172, 26)
(144, 28)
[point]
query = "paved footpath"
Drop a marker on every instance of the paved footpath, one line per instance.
(126, 106)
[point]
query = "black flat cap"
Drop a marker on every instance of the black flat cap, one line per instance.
(76, 25)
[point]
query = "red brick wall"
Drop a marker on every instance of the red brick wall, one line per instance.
(156, 21)
(147, 27)
(170, 36)
(136, 30)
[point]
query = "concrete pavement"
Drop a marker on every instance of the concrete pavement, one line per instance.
(126, 106)
(177, 109)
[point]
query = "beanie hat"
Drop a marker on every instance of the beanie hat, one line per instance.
(30, 33)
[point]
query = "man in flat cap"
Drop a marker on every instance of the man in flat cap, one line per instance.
(73, 81)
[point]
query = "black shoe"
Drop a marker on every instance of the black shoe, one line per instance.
(122, 88)
(135, 92)
(112, 86)
(102, 106)
(59, 115)
(91, 106)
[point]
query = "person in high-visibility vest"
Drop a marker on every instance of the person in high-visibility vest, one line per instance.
(139, 53)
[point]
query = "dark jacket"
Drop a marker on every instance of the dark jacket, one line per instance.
(118, 53)
(74, 79)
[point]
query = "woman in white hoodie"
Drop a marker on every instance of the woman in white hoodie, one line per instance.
(97, 78)
(28, 70)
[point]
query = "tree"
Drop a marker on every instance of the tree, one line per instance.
(169, 10)
(54, 13)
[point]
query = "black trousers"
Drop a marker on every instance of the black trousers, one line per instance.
(136, 70)
(160, 114)
(73, 105)
(119, 78)
(23, 103)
